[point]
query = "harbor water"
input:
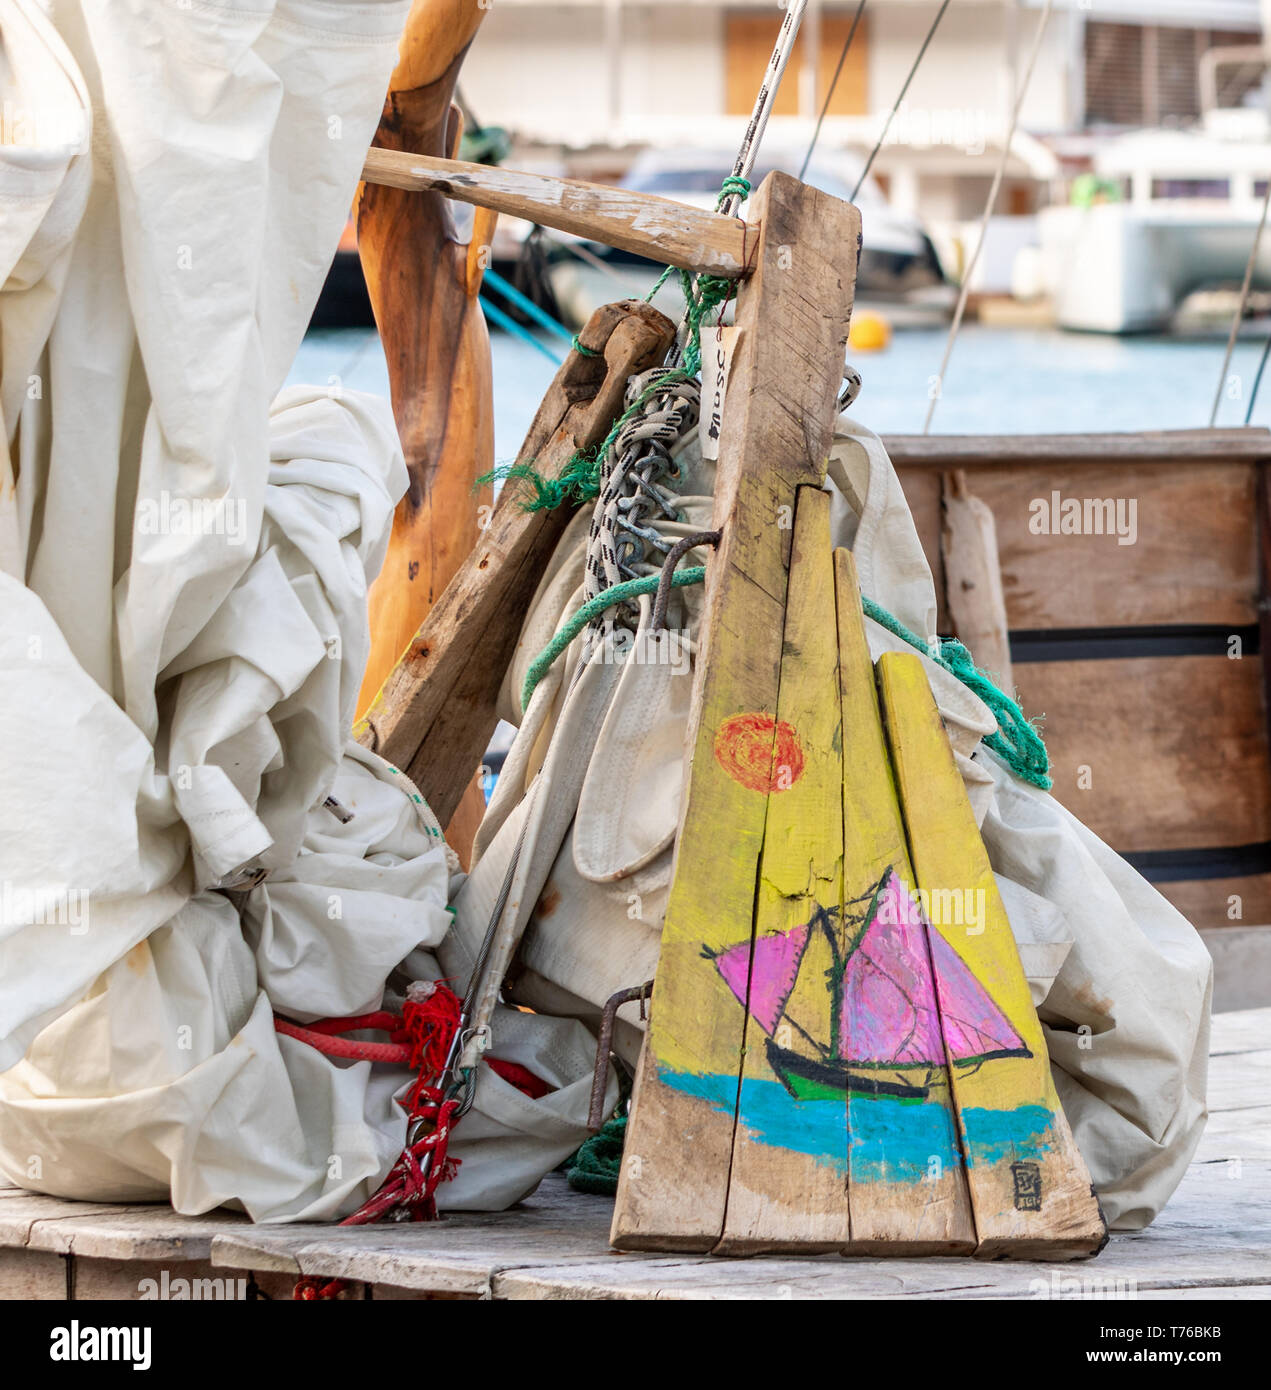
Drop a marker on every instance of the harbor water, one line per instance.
(1002, 380)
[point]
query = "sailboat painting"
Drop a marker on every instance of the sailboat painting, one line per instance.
(901, 1008)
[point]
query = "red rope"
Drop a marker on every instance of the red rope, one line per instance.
(421, 1038)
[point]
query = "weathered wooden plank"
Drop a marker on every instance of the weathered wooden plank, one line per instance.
(1243, 1082)
(1143, 760)
(907, 1183)
(1030, 1190)
(32, 1274)
(436, 712)
(458, 1255)
(780, 1195)
(1221, 904)
(973, 579)
(793, 318)
(659, 228)
(1116, 544)
(423, 284)
(1167, 446)
(102, 1231)
(923, 491)
(1248, 1030)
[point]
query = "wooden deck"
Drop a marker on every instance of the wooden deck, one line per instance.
(1212, 1241)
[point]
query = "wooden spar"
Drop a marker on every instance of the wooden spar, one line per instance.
(659, 228)
(437, 710)
(1030, 1189)
(792, 315)
(423, 283)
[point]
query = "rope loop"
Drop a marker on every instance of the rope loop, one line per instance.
(733, 184)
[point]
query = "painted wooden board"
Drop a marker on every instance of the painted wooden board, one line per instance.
(666, 231)
(1030, 1190)
(787, 1189)
(907, 1185)
(793, 317)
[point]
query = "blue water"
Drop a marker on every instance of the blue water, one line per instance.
(1000, 381)
(892, 1140)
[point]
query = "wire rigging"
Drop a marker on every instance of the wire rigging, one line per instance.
(989, 205)
(829, 96)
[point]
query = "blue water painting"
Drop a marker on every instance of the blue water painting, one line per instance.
(893, 1139)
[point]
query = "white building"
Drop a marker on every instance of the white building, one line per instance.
(593, 80)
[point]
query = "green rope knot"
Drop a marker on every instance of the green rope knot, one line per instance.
(595, 1167)
(732, 184)
(580, 348)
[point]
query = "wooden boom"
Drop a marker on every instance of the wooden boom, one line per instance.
(660, 228)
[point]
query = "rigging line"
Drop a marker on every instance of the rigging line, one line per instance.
(965, 288)
(829, 96)
(767, 95)
(1257, 380)
(1240, 308)
(891, 115)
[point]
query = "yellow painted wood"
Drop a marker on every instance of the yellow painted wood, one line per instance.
(1035, 1199)
(916, 1204)
(780, 1198)
(793, 313)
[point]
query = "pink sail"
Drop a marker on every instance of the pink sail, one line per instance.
(888, 1008)
(973, 1024)
(777, 958)
(893, 1009)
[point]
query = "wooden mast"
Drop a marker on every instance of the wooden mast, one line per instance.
(423, 283)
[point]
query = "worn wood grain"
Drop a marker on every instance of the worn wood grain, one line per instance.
(1219, 904)
(1187, 551)
(778, 1197)
(1182, 446)
(436, 712)
(793, 317)
(659, 228)
(1030, 1189)
(423, 283)
(1156, 752)
(973, 578)
(898, 1206)
(1213, 1239)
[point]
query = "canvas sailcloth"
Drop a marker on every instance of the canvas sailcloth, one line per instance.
(1120, 980)
(184, 558)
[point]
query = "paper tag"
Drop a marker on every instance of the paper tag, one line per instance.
(718, 346)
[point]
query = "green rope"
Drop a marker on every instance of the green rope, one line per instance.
(731, 185)
(630, 588)
(581, 349)
(579, 480)
(595, 1167)
(1016, 741)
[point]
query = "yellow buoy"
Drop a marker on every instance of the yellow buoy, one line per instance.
(869, 333)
